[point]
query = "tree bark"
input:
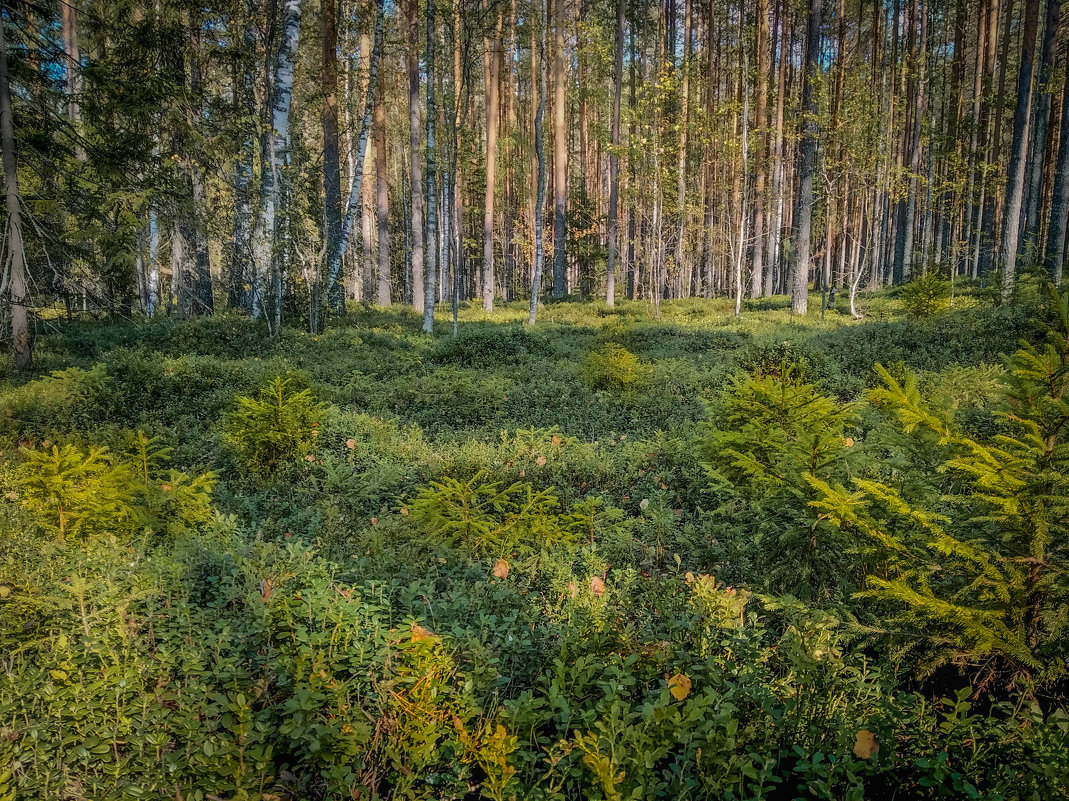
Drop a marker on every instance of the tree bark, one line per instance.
(15, 280)
(614, 156)
(538, 65)
(807, 164)
(414, 154)
(1038, 162)
(335, 257)
(430, 272)
(265, 238)
(382, 193)
(1011, 215)
(560, 156)
(491, 85)
(328, 77)
(1059, 205)
(757, 282)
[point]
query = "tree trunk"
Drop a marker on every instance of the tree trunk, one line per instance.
(775, 231)
(328, 77)
(757, 282)
(538, 65)
(1037, 167)
(414, 148)
(204, 301)
(491, 85)
(239, 294)
(382, 193)
(335, 257)
(807, 165)
(560, 156)
(73, 73)
(1059, 204)
(265, 238)
(430, 272)
(614, 155)
(1011, 215)
(15, 283)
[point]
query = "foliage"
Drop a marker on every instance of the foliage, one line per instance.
(984, 576)
(926, 295)
(483, 517)
(278, 427)
(73, 493)
(613, 367)
(768, 438)
(530, 588)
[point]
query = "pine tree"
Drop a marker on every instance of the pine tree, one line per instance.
(983, 577)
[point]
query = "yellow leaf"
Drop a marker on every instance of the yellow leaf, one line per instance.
(501, 569)
(679, 685)
(420, 634)
(597, 586)
(848, 442)
(541, 460)
(866, 746)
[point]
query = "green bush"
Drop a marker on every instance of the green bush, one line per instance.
(613, 367)
(926, 295)
(483, 517)
(278, 427)
(72, 493)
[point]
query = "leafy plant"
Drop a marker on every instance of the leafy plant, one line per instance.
(926, 295)
(484, 517)
(613, 367)
(770, 434)
(984, 577)
(74, 493)
(278, 427)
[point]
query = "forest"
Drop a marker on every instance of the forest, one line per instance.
(534, 399)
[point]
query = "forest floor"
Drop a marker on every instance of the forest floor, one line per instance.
(429, 567)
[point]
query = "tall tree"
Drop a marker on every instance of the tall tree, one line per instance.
(491, 68)
(14, 284)
(382, 194)
(359, 147)
(430, 272)
(538, 66)
(614, 155)
(1015, 178)
(1038, 162)
(807, 166)
(1059, 207)
(414, 152)
(757, 281)
(328, 78)
(560, 153)
(267, 300)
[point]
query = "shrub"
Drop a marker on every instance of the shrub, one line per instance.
(74, 494)
(279, 426)
(491, 346)
(483, 517)
(614, 368)
(926, 295)
(982, 576)
(769, 436)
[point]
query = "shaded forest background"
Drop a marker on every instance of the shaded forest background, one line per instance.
(285, 157)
